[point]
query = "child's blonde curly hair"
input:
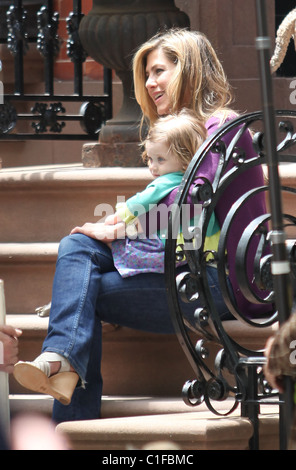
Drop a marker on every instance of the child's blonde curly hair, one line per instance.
(182, 133)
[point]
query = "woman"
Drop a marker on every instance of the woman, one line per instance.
(173, 70)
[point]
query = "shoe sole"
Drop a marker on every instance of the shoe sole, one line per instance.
(34, 379)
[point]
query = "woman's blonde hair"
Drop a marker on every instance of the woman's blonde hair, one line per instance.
(181, 132)
(198, 71)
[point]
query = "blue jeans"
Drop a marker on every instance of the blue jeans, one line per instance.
(87, 290)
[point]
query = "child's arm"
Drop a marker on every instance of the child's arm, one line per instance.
(115, 225)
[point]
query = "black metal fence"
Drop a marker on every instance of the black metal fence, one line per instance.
(224, 367)
(30, 24)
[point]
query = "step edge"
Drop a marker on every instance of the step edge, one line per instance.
(105, 176)
(26, 250)
(32, 321)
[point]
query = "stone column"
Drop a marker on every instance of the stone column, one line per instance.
(110, 34)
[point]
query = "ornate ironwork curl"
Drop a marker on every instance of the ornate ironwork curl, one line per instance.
(48, 41)
(17, 34)
(92, 117)
(220, 362)
(75, 49)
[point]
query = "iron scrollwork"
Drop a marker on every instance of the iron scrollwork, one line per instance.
(47, 111)
(75, 49)
(48, 41)
(17, 34)
(48, 117)
(92, 117)
(223, 365)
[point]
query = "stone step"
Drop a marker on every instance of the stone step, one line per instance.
(112, 406)
(194, 429)
(42, 204)
(27, 270)
(27, 403)
(134, 362)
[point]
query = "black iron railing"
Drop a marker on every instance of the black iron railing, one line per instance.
(47, 116)
(223, 366)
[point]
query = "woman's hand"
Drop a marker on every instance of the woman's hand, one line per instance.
(101, 231)
(113, 219)
(8, 347)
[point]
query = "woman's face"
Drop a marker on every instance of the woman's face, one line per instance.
(159, 71)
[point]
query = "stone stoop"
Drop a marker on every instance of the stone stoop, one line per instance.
(149, 371)
(40, 205)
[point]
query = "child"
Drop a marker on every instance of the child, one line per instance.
(168, 149)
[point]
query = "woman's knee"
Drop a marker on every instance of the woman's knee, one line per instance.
(82, 246)
(71, 243)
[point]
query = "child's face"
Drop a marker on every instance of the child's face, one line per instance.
(160, 160)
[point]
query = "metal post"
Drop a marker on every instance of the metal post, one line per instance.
(49, 56)
(280, 264)
(78, 74)
(4, 387)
